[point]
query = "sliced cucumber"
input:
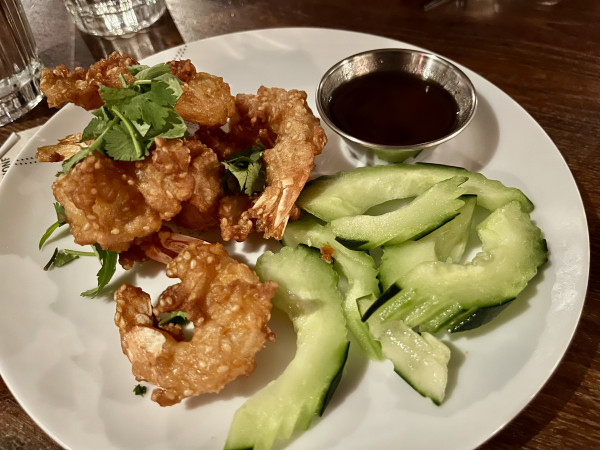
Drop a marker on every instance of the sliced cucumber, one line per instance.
(447, 243)
(427, 212)
(452, 238)
(308, 294)
(419, 358)
(433, 293)
(354, 192)
(356, 269)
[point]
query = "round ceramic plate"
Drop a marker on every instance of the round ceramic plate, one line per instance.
(60, 353)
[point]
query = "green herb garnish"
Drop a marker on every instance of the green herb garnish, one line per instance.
(63, 257)
(245, 171)
(61, 219)
(176, 317)
(139, 390)
(124, 128)
(109, 260)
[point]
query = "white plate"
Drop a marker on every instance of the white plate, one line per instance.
(60, 353)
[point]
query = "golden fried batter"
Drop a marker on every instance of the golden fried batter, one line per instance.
(114, 202)
(164, 179)
(80, 87)
(234, 218)
(65, 148)
(282, 120)
(229, 309)
(206, 98)
(200, 211)
(103, 205)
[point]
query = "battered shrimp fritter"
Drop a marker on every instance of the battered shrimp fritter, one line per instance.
(163, 178)
(103, 204)
(200, 211)
(229, 309)
(206, 98)
(282, 121)
(114, 202)
(61, 86)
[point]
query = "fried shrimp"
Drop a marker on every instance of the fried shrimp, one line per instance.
(80, 87)
(114, 202)
(200, 211)
(206, 98)
(283, 121)
(164, 179)
(229, 308)
(103, 204)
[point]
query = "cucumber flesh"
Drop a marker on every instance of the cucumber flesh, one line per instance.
(419, 358)
(308, 294)
(452, 238)
(353, 192)
(512, 251)
(356, 269)
(447, 243)
(428, 211)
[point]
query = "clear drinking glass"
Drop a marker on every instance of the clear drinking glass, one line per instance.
(20, 66)
(108, 18)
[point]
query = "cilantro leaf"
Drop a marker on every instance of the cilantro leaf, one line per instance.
(166, 90)
(60, 258)
(118, 143)
(142, 72)
(112, 96)
(154, 114)
(108, 259)
(94, 129)
(61, 219)
(124, 128)
(245, 171)
(177, 127)
(63, 257)
(176, 317)
(139, 390)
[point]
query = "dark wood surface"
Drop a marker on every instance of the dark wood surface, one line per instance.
(544, 53)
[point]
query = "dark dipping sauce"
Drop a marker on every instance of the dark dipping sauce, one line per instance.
(393, 108)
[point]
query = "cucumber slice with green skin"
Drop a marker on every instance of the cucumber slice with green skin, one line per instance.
(353, 192)
(470, 319)
(512, 251)
(427, 212)
(419, 358)
(308, 294)
(357, 270)
(447, 243)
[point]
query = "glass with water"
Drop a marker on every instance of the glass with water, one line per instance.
(108, 18)
(20, 66)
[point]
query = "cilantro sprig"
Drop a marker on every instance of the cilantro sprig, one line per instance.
(63, 257)
(108, 260)
(124, 128)
(245, 171)
(61, 219)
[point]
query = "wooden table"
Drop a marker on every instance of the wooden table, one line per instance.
(544, 53)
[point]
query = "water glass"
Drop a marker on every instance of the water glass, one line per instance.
(108, 18)
(20, 66)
